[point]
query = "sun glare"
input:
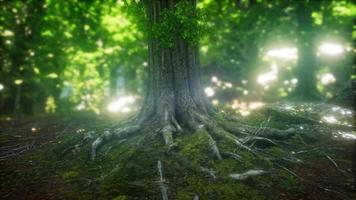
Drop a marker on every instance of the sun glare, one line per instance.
(209, 91)
(332, 49)
(122, 104)
(327, 79)
(268, 77)
(283, 53)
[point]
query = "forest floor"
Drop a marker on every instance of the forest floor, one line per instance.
(48, 157)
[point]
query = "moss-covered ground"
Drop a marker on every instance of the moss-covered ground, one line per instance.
(48, 157)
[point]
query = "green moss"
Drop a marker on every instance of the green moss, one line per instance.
(70, 175)
(195, 145)
(120, 198)
(291, 184)
(229, 190)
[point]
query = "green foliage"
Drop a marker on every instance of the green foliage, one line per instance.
(182, 21)
(68, 55)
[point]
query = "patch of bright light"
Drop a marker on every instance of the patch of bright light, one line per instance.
(214, 79)
(122, 104)
(236, 104)
(327, 78)
(255, 105)
(209, 91)
(347, 135)
(268, 77)
(33, 129)
(7, 33)
(245, 92)
(126, 109)
(81, 106)
(330, 119)
(332, 49)
(18, 82)
(1, 86)
(245, 112)
(288, 107)
(243, 106)
(244, 82)
(228, 85)
(294, 80)
(283, 53)
(215, 102)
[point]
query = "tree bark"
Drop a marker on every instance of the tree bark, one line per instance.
(174, 91)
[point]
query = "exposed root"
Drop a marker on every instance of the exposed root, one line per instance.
(209, 171)
(237, 137)
(167, 133)
(119, 133)
(162, 185)
(333, 162)
(247, 174)
(233, 155)
(214, 147)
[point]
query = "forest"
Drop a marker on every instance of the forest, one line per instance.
(177, 99)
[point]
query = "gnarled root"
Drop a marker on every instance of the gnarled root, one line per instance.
(108, 135)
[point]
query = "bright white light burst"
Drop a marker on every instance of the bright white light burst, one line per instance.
(347, 135)
(122, 104)
(283, 53)
(214, 79)
(268, 77)
(209, 91)
(327, 78)
(1, 86)
(330, 119)
(331, 49)
(294, 81)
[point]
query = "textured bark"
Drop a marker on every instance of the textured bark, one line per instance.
(174, 91)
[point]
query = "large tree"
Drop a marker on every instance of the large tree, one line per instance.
(174, 99)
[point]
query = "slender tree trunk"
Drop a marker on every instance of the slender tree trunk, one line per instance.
(307, 61)
(174, 91)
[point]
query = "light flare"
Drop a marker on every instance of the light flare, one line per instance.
(283, 53)
(209, 91)
(327, 78)
(332, 49)
(330, 119)
(122, 104)
(268, 77)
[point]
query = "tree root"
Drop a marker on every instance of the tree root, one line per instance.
(234, 135)
(119, 133)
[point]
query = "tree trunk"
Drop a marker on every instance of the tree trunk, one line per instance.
(174, 91)
(307, 61)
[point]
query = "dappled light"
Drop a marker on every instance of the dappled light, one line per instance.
(209, 91)
(123, 104)
(283, 53)
(327, 78)
(245, 108)
(346, 135)
(269, 77)
(331, 49)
